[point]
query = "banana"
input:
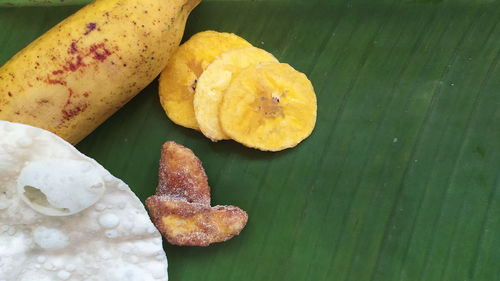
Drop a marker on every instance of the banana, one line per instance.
(178, 81)
(81, 71)
(214, 81)
(269, 106)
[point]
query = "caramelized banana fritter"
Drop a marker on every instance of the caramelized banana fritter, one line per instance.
(181, 209)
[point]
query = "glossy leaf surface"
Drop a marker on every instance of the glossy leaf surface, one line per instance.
(400, 179)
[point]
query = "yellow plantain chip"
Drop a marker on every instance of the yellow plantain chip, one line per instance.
(214, 81)
(269, 106)
(178, 80)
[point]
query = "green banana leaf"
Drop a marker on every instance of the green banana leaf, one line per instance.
(400, 179)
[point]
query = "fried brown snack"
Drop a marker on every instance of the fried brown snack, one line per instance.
(181, 175)
(181, 210)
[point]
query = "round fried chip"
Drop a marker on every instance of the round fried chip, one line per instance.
(269, 106)
(178, 80)
(215, 80)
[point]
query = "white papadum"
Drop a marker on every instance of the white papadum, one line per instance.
(64, 217)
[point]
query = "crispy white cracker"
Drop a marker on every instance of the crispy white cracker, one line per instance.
(112, 239)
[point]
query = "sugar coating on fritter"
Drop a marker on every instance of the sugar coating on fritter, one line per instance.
(181, 209)
(182, 176)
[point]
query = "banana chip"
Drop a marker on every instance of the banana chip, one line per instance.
(178, 81)
(215, 80)
(269, 106)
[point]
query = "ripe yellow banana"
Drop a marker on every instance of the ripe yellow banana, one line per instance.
(81, 71)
